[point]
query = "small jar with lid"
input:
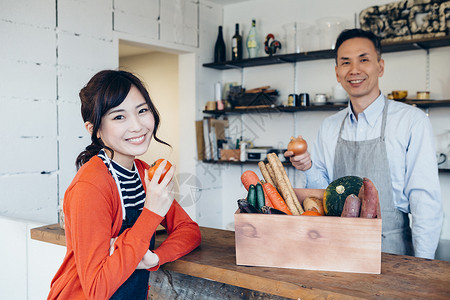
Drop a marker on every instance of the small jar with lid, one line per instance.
(423, 95)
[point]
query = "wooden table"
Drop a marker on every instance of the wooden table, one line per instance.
(401, 276)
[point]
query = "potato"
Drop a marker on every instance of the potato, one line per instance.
(314, 204)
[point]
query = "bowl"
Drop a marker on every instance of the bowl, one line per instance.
(399, 95)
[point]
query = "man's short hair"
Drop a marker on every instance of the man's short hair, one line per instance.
(357, 33)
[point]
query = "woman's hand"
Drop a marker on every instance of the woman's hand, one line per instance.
(301, 162)
(149, 260)
(111, 245)
(160, 196)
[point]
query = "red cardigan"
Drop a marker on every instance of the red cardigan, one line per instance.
(93, 215)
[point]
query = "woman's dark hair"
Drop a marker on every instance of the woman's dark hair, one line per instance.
(357, 33)
(108, 89)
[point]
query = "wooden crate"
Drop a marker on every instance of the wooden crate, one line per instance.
(308, 242)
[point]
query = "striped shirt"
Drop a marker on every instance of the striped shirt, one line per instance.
(131, 187)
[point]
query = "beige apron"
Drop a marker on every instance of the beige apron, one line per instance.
(369, 159)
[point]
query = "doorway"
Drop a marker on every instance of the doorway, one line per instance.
(158, 69)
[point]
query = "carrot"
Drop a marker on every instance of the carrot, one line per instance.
(248, 178)
(275, 198)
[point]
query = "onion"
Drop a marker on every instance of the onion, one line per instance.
(297, 146)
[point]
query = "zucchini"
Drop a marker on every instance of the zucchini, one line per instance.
(260, 199)
(251, 196)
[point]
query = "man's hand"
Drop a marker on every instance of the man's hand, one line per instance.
(301, 162)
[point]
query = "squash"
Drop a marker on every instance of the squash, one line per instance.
(337, 191)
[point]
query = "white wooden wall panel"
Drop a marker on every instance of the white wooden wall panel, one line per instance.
(69, 148)
(179, 22)
(27, 80)
(143, 26)
(71, 122)
(137, 17)
(84, 48)
(28, 154)
(85, 52)
(70, 81)
(148, 8)
(21, 38)
(93, 18)
(30, 196)
(27, 118)
(38, 13)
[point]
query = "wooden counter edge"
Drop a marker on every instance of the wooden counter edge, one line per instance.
(55, 234)
(252, 282)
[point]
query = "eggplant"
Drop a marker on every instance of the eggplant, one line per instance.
(271, 211)
(246, 207)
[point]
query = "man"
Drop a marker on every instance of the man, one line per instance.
(389, 142)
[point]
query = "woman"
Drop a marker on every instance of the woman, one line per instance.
(111, 214)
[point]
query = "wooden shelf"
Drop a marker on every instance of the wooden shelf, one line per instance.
(406, 45)
(427, 103)
(249, 162)
(286, 163)
(275, 109)
(329, 107)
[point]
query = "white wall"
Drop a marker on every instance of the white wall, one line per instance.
(28, 266)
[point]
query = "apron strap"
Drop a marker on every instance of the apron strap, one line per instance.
(383, 122)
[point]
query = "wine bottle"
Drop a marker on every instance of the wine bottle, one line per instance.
(219, 48)
(236, 45)
(252, 41)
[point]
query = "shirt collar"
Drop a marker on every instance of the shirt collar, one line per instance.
(371, 113)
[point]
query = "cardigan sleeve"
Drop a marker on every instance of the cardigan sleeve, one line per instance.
(91, 215)
(183, 236)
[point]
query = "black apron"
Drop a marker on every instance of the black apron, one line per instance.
(136, 286)
(369, 159)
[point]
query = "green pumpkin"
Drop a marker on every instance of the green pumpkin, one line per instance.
(337, 191)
